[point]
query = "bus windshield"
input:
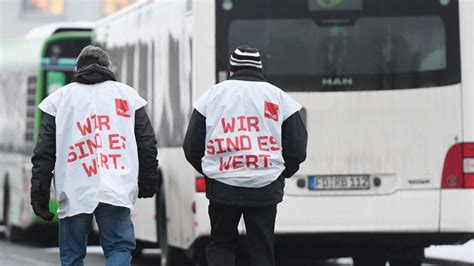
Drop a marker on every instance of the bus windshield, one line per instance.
(383, 45)
(354, 49)
(59, 60)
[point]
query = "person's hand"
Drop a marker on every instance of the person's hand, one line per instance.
(145, 191)
(42, 210)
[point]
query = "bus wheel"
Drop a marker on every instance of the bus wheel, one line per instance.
(170, 256)
(12, 232)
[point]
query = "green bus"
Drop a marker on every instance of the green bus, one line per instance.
(31, 68)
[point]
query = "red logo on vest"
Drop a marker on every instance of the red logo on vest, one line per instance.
(121, 106)
(271, 111)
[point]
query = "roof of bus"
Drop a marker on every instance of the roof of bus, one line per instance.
(20, 52)
(47, 30)
(125, 20)
(123, 11)
(27, 52)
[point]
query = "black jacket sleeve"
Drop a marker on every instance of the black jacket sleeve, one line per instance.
(43, 160)
(194, 141)
(148, 176)
(294, 142)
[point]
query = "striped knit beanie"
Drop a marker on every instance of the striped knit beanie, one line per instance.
(245, 57)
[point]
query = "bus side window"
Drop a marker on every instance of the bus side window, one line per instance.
(54, 81)
(30, 108)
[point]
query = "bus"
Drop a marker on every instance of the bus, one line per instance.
(388, 104)
(31, 68)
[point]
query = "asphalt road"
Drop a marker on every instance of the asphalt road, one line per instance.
(34, 253)
(30, 254)
(23, 255)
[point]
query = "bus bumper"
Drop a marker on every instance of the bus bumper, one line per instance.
(407, 211)
(457, 210)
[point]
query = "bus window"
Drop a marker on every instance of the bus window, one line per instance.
(65, 48)
(371, 46)
(59, 59)
(30, 108)
(359, 45)
(333, 5)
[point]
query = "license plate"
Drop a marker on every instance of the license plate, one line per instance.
(353, 182)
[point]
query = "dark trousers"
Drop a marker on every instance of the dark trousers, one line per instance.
(260, 227)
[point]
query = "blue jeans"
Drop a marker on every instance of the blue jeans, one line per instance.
(116, 236)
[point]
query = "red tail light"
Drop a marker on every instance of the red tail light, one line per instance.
(458, 171)
(469, 181)
(200, 184)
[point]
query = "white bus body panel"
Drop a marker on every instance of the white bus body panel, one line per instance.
(184, 229)
(20, 61)
(395, 135)
(179, 191)
(395, 213)
(457, 205)
(144, 220)
(466, 9)
(402, 134)
(457, 211)
(16, 168)
(404, 211)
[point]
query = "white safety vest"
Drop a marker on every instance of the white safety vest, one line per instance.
(96, 151)
(243, 132)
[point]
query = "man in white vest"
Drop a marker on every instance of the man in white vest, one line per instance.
(96, 136)
(245, 136)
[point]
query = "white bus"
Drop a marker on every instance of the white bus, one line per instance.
(31, 68)
(388, 103)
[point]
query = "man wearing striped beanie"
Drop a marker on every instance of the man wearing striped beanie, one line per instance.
(245, 136)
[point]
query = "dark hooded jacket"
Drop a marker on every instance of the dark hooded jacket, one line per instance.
(44, 157)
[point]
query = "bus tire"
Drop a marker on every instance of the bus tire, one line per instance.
(170, 256)
(12, 233)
